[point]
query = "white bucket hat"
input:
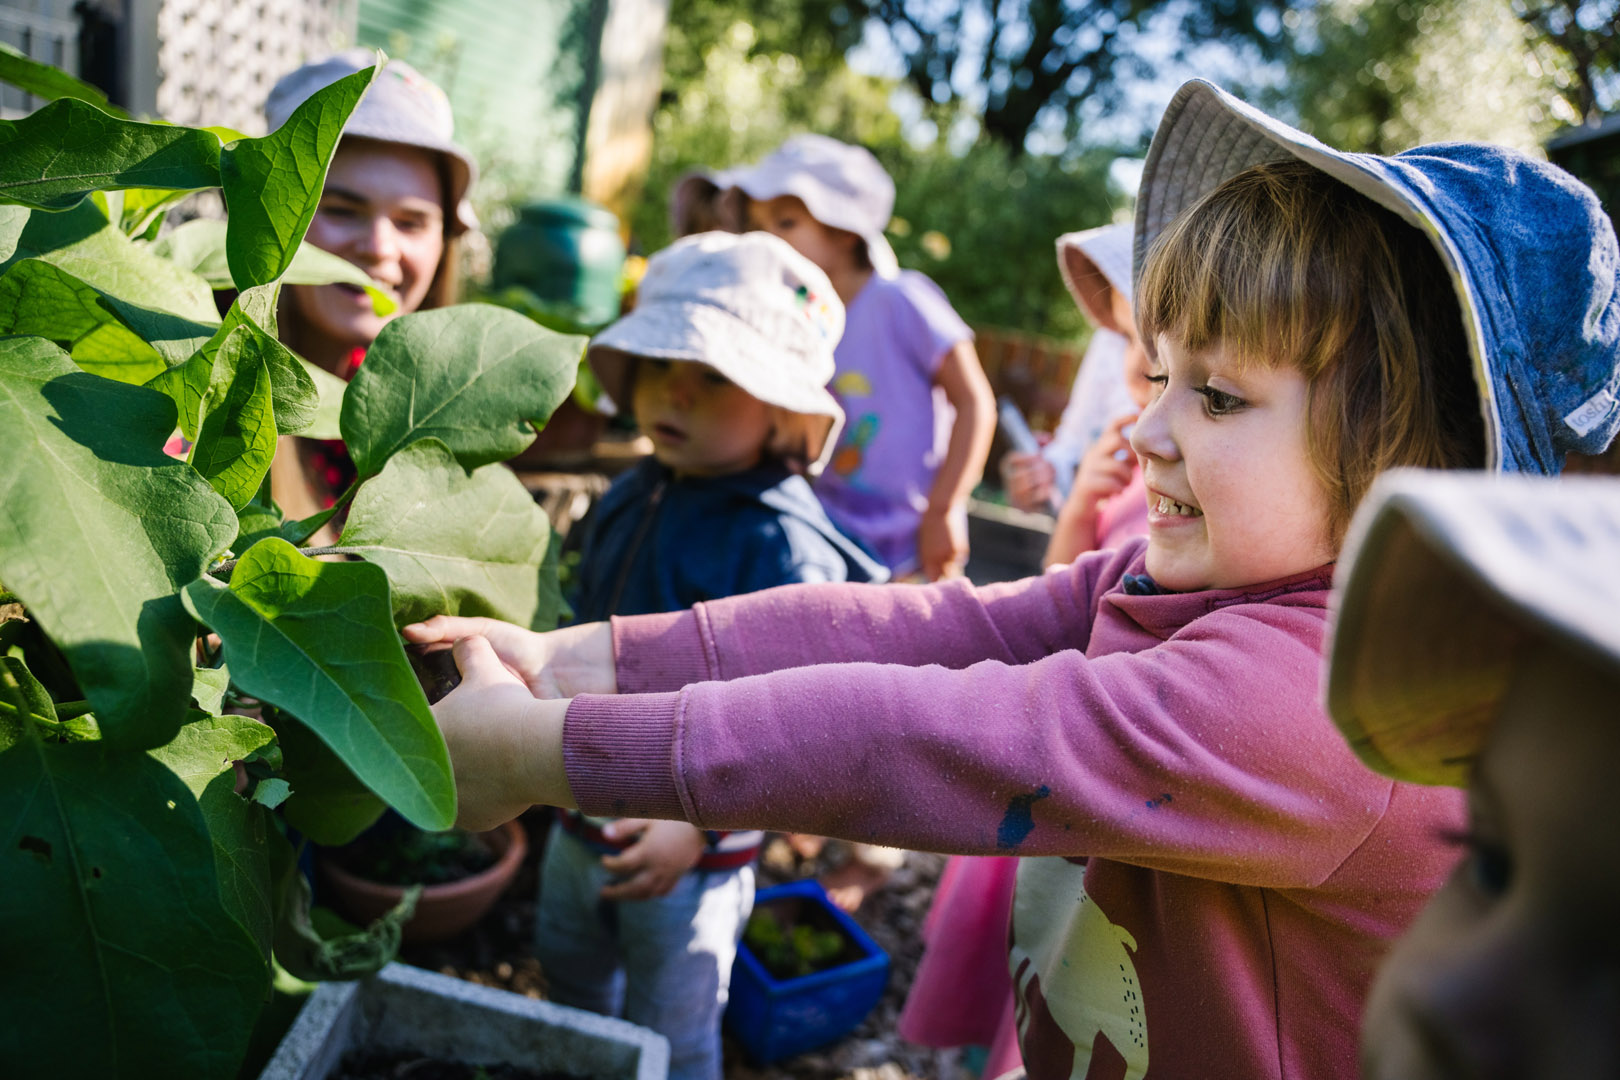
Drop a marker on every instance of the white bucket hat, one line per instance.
(842, 186)
(1445, 577)
(400, 107)
(1082, 256)
(750, 307)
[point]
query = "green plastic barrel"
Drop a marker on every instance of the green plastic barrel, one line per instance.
(568, 252)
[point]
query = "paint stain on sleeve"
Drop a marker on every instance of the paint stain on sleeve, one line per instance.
(1019, 820)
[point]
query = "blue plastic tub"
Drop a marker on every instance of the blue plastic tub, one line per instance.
(773, 1018)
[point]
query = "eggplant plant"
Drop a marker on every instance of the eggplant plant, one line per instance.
(183, 688)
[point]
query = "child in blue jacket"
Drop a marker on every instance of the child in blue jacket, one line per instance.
(724, 363)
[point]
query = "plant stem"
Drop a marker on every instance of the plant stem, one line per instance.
(223, 570)
(72, 710)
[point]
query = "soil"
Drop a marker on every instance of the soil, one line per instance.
(498, 952)
(402, 855)
(408, 1065)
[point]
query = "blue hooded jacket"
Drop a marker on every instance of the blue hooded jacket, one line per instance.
(657, 543)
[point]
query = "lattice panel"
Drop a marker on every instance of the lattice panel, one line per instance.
(218, 59)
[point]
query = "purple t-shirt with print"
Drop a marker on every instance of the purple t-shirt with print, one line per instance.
(896, 423)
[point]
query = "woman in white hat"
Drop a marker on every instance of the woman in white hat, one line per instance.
(395, 205)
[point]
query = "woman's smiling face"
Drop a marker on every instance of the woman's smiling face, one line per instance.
(381, 210)
(1232, 497)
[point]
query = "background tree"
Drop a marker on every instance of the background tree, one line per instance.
(1586, 35)
(1381, 77)
(1032, 59)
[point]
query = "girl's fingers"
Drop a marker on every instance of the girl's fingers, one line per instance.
(476, 659)
(445, 628)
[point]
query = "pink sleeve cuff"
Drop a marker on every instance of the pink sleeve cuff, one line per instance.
(657, 653)
(619, 752)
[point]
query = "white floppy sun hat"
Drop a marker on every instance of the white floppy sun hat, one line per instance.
(750, 307)
(842, 186)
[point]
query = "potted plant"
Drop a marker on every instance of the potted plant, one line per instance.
(461, 874)
(150, 884)
(805, 975)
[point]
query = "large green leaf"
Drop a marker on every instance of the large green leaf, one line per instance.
(54, 157)
(309, 946)
(39, 299)
(272, 185)
(474, 376)
(21, 695)
(328, 804)
(237, 435)
(47, 82)
(317, 639)
(98, 532)
(203, 757)
(453, 543)
(199, 246)
(194, 383)
(119, 957)
(327, 423)
(13, 219)
(82, 242)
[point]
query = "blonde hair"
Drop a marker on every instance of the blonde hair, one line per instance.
(1284, 265)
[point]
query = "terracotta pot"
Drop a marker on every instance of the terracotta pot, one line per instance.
(443, 910)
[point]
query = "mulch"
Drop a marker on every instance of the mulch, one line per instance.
(497, 952)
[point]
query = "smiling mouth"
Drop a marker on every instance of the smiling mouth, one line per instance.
(1168, 506)
(669, 432)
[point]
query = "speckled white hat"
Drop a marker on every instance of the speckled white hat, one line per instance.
(750, 307)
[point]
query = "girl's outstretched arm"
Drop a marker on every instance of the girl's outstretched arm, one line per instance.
(1205, 754)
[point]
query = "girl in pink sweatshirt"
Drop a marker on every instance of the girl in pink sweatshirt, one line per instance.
(1314, 318)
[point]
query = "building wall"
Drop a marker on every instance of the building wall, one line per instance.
(218, 59)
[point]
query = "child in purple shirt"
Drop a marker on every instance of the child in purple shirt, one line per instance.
(918, 408)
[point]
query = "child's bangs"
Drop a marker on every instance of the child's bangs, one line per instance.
(1252, 268)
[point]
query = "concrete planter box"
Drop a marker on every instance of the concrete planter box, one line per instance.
(407, 1008)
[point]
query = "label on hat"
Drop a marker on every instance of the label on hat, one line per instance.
(1590, 413)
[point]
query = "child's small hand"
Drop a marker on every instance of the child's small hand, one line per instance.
(562, 663)
(1107, 467)
(1028, 479)
(505, 744)
(942, 545)
(652, 865)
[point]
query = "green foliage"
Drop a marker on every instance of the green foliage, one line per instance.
(46, 82)
(1381, 78)
(476, 377)
(273, 184)
(100, 531)
(113, 902)
(792, 952)
(453, 542)
(57, 156)
(316, 639)
(148, 875)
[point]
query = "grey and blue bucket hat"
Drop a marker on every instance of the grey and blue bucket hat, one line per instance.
(1532, 256)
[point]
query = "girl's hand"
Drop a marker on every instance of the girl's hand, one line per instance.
(562, 663)
(1028, 479)
(505, 744)
(654, 863)
(942, 546)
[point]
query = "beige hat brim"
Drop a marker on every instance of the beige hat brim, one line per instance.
(705, 334)
(1444, 579)
(1092, 261)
